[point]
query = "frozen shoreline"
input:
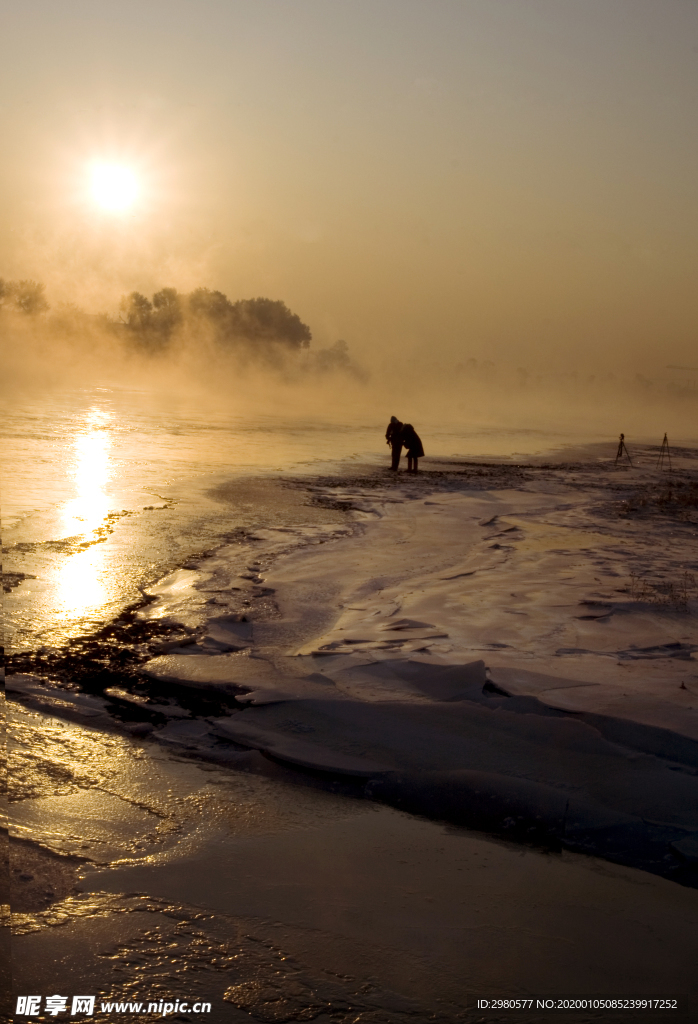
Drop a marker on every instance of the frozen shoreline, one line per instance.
(466, 644)
(512, 571)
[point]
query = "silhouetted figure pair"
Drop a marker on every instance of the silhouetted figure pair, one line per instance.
(399, 434)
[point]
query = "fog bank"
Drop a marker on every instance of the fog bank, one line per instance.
(68, 349)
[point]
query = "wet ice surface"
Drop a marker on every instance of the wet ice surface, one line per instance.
(280, 902)
(144, 800)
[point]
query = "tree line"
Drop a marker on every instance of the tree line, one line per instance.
(259, 322)
(257, 329)
(152, 323)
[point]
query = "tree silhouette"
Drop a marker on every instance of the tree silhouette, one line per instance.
(137, 311)
(258, 325)
(167, 311)
(269, 320)
(259, 321)
(213, 306)
(25, 296)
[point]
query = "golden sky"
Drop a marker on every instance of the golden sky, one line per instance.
(488, 177)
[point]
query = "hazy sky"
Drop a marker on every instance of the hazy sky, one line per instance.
(484, 177)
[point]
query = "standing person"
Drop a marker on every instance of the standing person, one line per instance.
(413, 444)
(393, 437)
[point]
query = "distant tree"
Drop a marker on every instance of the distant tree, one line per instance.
(29, 297)
(167, 311)
(214, 306)
(269, 320)
(26, 296)
(253, 320)
(137, 312)
(140, 321)
(256, 324)
(336, 359)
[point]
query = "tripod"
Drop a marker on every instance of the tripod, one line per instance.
(664, 454)
(622, 448)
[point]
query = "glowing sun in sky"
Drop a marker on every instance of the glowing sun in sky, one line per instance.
(113, 187)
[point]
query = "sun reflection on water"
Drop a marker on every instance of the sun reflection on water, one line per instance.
(80, 578)
(91, 471)
(81, 582)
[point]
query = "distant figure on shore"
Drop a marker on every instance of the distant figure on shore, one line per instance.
(393, 437)
(413, 444)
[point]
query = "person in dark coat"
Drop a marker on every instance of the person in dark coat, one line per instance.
(393, 437)
(413, 444)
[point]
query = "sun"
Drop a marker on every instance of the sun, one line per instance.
(113, 187)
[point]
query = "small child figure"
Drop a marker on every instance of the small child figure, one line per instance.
(415, 451)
